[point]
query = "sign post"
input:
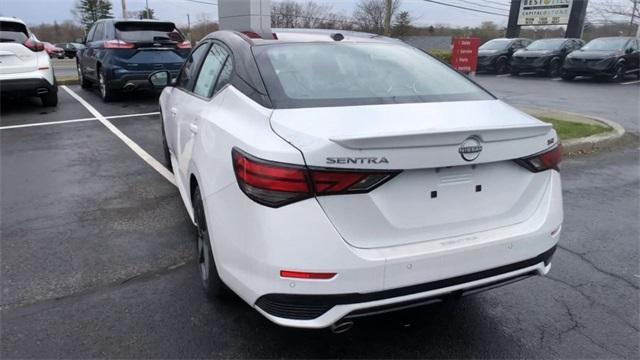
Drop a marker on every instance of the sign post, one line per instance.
(246, 15)
(464, 56)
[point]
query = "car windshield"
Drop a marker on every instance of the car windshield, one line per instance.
(13, 32)
(606, 44)
(341, 74)
(547, 44)
(147, 32)
(498, 44)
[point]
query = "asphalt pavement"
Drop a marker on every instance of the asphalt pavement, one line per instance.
(98, 255)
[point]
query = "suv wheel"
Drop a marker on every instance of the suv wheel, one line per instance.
(84, 83)
(106, 93)
(554, 68)
(619, 72)
(49, 99)
(502, 66)
(567, 76)
(211, 282)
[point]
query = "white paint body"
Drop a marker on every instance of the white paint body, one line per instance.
(392, 237)
(19, 63)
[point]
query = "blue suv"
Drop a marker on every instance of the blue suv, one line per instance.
(120, 54)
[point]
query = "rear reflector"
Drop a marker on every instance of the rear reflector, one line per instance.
(118, 44)
(306, 275)
(276, 184)
(547, 160)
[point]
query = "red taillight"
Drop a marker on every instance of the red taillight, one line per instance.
(549, 159)
(33, 45)
(184, 45)
(306, 275)
(118, 44)
(276, 184)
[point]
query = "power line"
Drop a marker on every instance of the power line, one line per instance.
(481, 5)
(202, 2)
(507, 4)
(465, 8)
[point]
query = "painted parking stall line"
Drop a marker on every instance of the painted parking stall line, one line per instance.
(76, 120)
(130, 143)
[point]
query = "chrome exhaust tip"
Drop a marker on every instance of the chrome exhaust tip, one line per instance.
(42, 91)
(129, 87)
(342, 326)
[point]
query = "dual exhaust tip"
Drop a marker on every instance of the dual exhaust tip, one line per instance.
(129, 87)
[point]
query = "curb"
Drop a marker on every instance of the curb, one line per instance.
(590, 143)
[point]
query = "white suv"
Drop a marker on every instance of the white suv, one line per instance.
(25, 68)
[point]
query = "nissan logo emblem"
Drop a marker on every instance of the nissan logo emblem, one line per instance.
(470, 149)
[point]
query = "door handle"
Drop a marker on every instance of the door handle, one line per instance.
(193, 128)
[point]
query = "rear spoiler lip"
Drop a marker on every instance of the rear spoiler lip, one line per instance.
(440, 137)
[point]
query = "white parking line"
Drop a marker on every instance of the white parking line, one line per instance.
(130, 143)
(46, 123)
(75, 120)
(630, 82)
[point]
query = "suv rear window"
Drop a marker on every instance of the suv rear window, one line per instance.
(13, 32)
(148, 32)
(329, 74)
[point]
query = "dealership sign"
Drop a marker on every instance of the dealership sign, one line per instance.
(544, 12)
(464, 56)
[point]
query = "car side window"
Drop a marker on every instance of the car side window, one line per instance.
(190, 67)
(210, 71)
(633, 44)
(91, 32)
(225, 75)
(99, 33)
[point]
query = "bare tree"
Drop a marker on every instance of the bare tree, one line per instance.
(291, 14)
(369, 15)
(616, 11)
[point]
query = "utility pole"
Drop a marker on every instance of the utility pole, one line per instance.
(387, 17)
(189, 27)
(124, 9)
(148, 16)
(633, 15)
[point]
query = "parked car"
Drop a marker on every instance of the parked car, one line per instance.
(610, 57)
(544, 56)
(53, 51)
(333, 175)
(119, 55)
(495, 55)
(70, 49)
(25, 67)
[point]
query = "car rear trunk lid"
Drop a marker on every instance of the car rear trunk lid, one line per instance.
(439, 194)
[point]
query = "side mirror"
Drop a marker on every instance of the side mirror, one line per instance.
(629, 51)
(160, 79)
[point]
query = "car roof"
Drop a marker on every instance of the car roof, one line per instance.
(307, 35)
(614, 37)
(12, 19)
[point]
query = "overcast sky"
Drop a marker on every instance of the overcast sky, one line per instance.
(38, 11)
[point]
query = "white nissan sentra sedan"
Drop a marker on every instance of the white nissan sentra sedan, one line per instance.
(336, 175)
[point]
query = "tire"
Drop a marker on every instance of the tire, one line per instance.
(165, 147)
(211, 282)
(555, 68)
(502, 66)
(619, 72)
(567, 76)
(84, 82)
(49, 99)
(106, 93)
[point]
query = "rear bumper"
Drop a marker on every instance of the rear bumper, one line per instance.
(139, 79)
(26, 87)
(300, 237)
(293, 309)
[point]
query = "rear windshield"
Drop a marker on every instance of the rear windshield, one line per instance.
(13, 32)
(148, 32)
(341, 74)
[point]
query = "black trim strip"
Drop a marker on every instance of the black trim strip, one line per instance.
(307, 307)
